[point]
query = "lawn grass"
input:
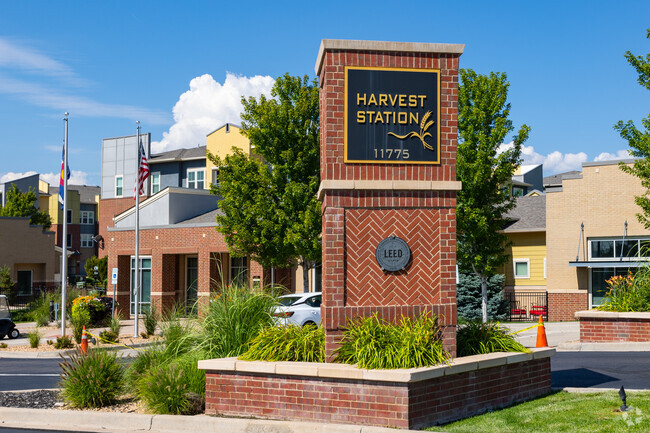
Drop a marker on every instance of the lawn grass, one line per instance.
(562, 412)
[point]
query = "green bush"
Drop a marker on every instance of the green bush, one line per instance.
(3, 345)
(150, 321)
(468, 297)
(34, 339)
(475, 338)
(233, 318)
(108, 336)
(373, 343)
(40, 308)
(80, 318)
(145, 360)
(63, 343)
(628, 293)
(116, 323)
(287, 343)
(95, 379)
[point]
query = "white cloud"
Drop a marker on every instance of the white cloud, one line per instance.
(558, 162)
(77, 177)
(206, 106)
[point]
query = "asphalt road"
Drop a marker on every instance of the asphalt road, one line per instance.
(20, 374)
(601, 370)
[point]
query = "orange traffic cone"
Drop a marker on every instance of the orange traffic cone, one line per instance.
(541, 334)
(84, 341)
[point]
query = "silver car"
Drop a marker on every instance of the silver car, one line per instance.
(299, 309)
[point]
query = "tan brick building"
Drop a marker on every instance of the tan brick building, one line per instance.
(592, 234)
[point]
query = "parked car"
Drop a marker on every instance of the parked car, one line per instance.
(299, 309)
(7, 326)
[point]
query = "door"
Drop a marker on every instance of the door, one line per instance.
(191, 283)
(24, 283)
(145, 284)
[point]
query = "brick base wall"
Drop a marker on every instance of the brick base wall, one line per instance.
(434, 397)
(596, 327)
(563, 306)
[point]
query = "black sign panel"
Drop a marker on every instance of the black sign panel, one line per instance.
(392, 115)
(393, 254)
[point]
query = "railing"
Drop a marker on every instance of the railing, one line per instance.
(526, 306)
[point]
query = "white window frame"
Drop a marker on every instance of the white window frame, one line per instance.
(121, 178)
(87, 217)
(195, 182)
(215, 176)
(514, 270)
(155, 186)
(86, 240)
(544, 267)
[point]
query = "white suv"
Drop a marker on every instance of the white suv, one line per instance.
(298, 309)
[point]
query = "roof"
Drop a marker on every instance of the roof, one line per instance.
(178, 155)
(206, 218)
(87, 193)
(556, 179)
(528, 216)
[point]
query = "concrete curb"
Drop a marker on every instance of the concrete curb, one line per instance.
(576, 346)
(91, 421)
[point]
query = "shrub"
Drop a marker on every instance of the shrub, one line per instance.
(40, 308)
(287, 343)
(145, 360)
(92, 380)
(165, 389)
(373, 343)
(628, 293)
(475, 338)
(468, 297)
(34, 339)
(80, 317)
(150, 321)
(233, 318)
(116, 323)
(3, 345)
(108, 336)
(97, 308)
(63, 343)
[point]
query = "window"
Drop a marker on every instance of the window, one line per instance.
(522, 268)
(69, 240)
(608, 249)
(196, 178)
(238, 270)
(87, 217)
(119, 180)
(24, 282)
(69, 216)
(517, 191)
(144, 269)
(155, 182)
(215, 176)
(86, 240)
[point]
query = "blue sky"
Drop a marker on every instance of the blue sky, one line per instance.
(181, 67)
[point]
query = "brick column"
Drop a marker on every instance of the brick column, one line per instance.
(375, 185)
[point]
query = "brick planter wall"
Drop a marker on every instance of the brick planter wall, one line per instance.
(338, 393)
(606, 326)
(563, 306)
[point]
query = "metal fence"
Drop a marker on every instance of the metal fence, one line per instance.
(21, 301)
(526, 306)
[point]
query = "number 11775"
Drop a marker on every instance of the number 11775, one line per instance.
(391, 153)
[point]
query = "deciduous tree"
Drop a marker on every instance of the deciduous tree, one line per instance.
(24, 205)
(639, 141)
(485, 169)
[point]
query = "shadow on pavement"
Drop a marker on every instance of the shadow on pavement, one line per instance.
(579, 378)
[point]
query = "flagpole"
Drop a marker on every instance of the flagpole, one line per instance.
(136, 293)
(64, 253)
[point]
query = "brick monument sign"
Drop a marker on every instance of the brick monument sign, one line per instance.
(388, 114)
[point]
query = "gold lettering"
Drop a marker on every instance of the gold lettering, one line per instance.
(383, 99)
(402, 99)
(369, 113)
(378, 118)
(401, 119)
(413, 101)
(414, 118)
(359, 99)
(393, 100)
(422, 98)
(387, 116)
(361, 117)
(372, 100)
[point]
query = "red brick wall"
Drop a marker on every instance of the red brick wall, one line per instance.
(107, 209)
(354, 221)
(403, 405)
(597, 330)
(562, 306)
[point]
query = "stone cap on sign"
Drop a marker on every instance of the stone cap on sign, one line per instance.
(345, 371)
(612, 315)
(383, 46)
(388, 185)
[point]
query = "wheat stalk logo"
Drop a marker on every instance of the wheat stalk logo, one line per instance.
(424, 126)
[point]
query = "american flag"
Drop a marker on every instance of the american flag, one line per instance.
(143, 171)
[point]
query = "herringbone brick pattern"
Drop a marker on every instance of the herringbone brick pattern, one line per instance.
(366, 283)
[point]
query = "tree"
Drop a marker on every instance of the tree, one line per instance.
(102, 269)
(6, 282)
(24, 205)
(469, 300)
(484, 171)
(639, 141)
(270, 211)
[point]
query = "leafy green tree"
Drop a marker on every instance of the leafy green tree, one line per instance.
(6, 282)
(102, 269)
(269, 208)
(24, 205)
(483, 125)
(639, 141)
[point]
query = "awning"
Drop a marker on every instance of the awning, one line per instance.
(608, 264)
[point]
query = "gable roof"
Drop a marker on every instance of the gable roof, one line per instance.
(192, 153)
(528, 216)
